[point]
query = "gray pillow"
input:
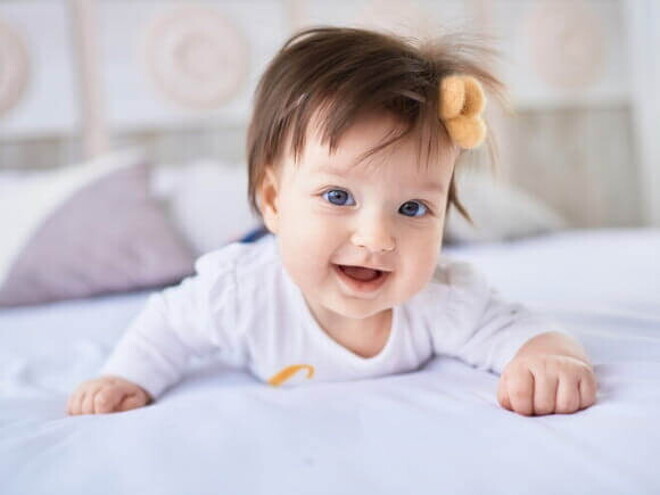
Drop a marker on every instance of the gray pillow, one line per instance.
(500, 212)
(86, 230)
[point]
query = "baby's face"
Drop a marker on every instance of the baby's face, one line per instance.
(332, 214)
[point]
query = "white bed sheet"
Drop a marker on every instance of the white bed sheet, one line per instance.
(438, 430)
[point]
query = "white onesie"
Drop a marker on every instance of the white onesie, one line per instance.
(242, 300)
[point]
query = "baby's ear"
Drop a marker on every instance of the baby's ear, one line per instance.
(268, 199)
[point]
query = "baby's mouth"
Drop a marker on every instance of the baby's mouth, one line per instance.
(360, 273)
(362, 279)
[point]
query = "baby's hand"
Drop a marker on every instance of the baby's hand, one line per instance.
(106, 395)
(546, 384)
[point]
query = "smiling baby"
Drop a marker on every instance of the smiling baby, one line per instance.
(352, 150)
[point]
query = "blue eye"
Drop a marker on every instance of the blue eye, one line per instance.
(413, 209)
(339, 197)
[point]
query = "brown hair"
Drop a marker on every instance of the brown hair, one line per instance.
(345, 72)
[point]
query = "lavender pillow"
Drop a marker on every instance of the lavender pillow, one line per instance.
(86, 230)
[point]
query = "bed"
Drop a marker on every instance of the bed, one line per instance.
(102, 75)
(436, 430)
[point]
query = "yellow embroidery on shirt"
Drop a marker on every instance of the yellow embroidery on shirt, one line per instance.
(283, 375)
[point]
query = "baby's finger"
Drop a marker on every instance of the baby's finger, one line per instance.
(74, 406)
(521, 392)
(87, 405)
(545, 393)
(131, 402)
(77, 398)
(502, 396)
(90, 393)
(107, 399)
(568, 395)
(78, 401)
(588, 389)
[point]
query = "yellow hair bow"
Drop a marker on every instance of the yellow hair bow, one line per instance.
(462, 101)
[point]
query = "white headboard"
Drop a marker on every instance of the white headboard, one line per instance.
(123, 66)
(177, 78)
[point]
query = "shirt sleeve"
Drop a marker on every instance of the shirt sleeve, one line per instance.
(479, 326)
(195, 317)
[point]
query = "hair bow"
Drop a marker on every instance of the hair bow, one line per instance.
(462, 102)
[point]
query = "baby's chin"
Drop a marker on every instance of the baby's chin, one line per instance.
(357, 308)
(359, 313)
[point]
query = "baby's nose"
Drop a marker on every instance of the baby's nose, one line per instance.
(375, 234)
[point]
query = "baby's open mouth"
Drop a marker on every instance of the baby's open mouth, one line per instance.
(361, 273)
(361, 279)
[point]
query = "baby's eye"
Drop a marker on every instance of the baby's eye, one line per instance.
(413, 209)
(339, 197)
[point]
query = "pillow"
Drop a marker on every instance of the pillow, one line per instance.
(500, 212)
(85, 230)
(207, 201)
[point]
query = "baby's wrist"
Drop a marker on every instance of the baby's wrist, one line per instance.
(553, 343)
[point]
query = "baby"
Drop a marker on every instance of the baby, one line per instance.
(351, 147)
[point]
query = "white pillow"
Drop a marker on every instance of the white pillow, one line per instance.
(500, 212)
(207, 201)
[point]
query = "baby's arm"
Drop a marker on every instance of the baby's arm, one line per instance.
(150, 356)
(551, 373)
(154, 352)
(543, 369)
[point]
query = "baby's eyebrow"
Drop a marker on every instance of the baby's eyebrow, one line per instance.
(434, 187)
(430, 187)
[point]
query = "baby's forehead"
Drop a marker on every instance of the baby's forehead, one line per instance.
(371, 147)
(364, 150)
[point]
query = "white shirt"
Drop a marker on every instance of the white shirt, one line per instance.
(242, 301)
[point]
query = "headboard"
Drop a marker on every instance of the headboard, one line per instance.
(176, 78)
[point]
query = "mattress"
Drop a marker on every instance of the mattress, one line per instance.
(437, 430)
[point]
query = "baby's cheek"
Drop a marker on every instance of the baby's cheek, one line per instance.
(305, 256)
(411, 279)
(424, 267)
